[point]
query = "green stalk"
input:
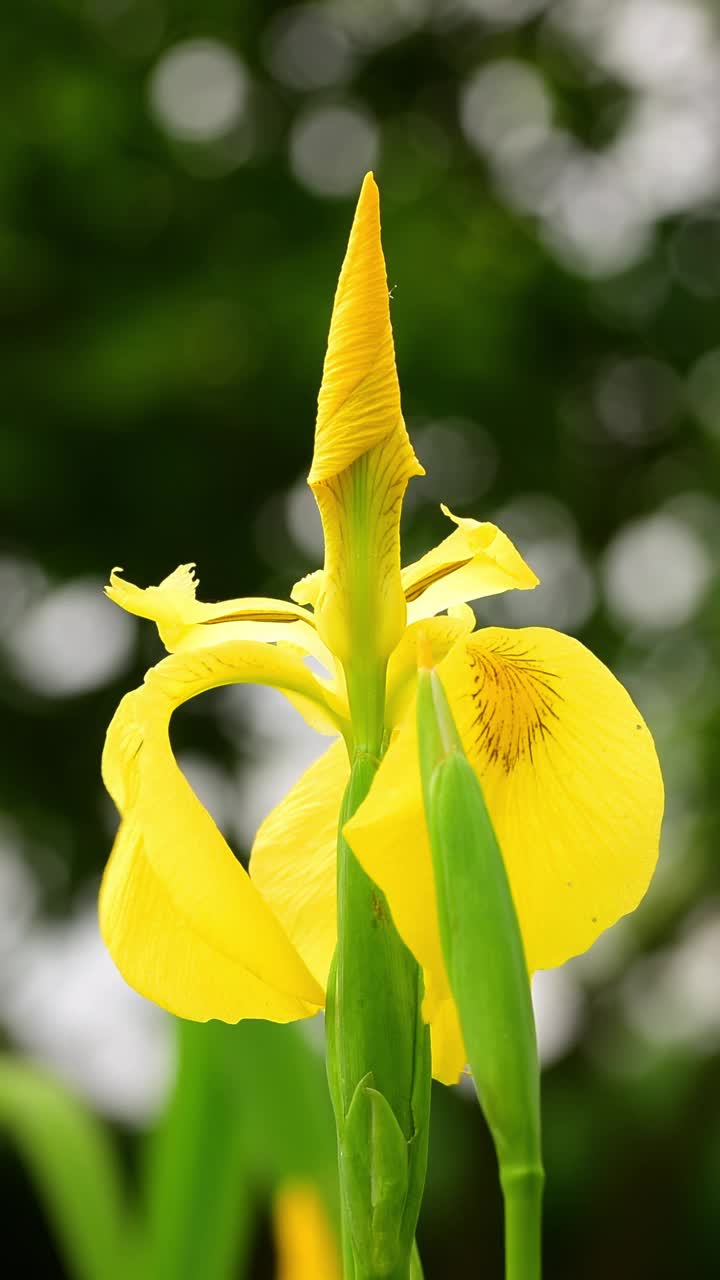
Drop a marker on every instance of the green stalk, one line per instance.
(522, 1193)
(378, 1066)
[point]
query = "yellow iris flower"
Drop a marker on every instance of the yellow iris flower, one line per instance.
(566, 762)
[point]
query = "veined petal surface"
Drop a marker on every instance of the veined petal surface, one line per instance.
(474, 561)
(179, 914)
(293, 859)
(572, 784)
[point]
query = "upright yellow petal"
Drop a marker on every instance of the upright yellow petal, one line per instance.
(474, 561)
(305, 1245)
(571, 781)
(363, 458)
(184, 622)
(180, 916)
(439, 636)
(293, 859)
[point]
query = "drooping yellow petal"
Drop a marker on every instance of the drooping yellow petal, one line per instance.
(571, 781)
(363, 458)
(180, 916)
(293, 859)
(305, 1245)
(187, 623)
(474, 561)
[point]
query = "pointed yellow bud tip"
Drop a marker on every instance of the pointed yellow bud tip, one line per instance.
(363, 458)
(369, 200)
(359, 400)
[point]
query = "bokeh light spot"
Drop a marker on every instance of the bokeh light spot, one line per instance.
(70, 641)
(460, 459)
(332, 148)
(374, 23)
(558, 1005)
(655, 572)
(303, 521)
(305, 49)
(198, 90)
(546, 536)
(636, 400)
(504, 106)
(672, 996)
(704, 390)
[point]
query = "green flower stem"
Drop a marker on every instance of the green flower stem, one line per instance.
(378, 1067)
(522, 1192)
(366, 698)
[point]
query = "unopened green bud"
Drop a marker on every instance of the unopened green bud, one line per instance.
(374, 1153)
(481, 940)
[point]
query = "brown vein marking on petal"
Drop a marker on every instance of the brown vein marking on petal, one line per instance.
(256, 616)
(514, 697)
(417, 588)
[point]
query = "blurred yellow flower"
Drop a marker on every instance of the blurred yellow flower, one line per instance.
(305, 1246)
(568, 766)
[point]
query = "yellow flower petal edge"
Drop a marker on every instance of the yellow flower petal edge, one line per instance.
(572, 784)
(305, 1245)
(293, 859)
(184, 622)
(474, 561)
(363, 458)
(179, 914)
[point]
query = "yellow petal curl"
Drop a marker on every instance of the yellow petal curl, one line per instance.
(179, 914)
(184, 622)
(474, 561)
(571, 781)
(363, 458)
(293, 859)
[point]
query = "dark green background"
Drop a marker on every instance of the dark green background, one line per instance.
(163, 316)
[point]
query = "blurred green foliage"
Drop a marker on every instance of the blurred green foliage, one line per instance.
(164, 303)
